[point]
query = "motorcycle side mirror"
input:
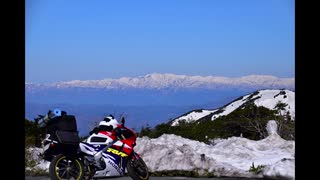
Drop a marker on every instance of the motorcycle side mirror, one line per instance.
(123, 121)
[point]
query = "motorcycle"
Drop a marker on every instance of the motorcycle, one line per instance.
(103, 154)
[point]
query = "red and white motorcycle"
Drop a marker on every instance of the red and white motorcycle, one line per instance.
(103, 154)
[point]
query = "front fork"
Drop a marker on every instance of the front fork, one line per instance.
(89, 170)
(135, 156)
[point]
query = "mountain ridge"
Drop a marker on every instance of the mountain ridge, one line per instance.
(259, 98)
(174, 81)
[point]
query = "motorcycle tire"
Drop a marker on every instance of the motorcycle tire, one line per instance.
(64, 167)
(137, 169)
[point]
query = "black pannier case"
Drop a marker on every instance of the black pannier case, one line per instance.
(64, 129)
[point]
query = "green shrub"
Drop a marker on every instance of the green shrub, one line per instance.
(256, 170)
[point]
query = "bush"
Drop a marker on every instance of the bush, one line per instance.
(256, 170)
(33, 133)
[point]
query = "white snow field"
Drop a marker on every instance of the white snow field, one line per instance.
(226, 157)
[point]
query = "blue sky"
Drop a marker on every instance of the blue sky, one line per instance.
(77, 39)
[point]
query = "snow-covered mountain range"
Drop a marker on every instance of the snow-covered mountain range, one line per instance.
(160, 81)
(266, 98)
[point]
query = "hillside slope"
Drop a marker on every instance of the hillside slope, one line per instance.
(265, 98)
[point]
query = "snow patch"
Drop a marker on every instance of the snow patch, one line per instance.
(283, 169)
(34, 155)
(193, 116)
(272, 127)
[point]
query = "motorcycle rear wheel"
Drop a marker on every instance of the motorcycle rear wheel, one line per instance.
(64, 167)
(137, 169)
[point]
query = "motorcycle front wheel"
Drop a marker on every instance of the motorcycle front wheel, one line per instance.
(64, 167)
(137, 169)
